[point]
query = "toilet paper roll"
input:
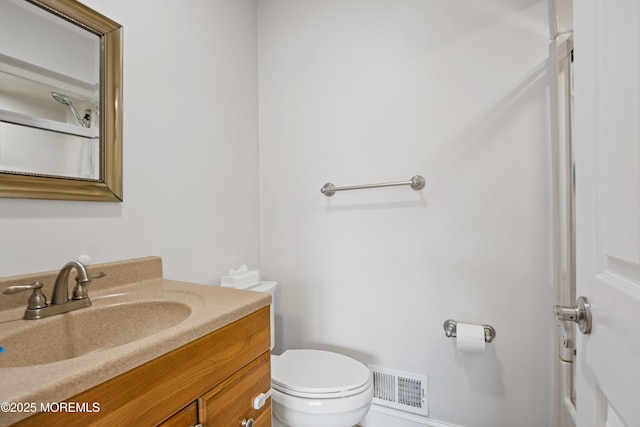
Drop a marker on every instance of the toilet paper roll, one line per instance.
(470, 338)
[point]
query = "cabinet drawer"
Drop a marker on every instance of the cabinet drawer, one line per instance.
(264, 419)
(231, 402)
(187, 417)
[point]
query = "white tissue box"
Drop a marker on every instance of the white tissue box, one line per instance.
(240, 280)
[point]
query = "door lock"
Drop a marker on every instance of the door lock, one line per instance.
(581, 314)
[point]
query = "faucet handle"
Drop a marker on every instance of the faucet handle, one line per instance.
(97, 275)
(80, 290)
(37, 298)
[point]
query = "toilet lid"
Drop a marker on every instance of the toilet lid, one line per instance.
(318, 374)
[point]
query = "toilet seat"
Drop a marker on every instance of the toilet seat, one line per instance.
(318, 374)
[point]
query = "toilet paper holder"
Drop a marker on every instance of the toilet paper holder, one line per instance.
(451, 325)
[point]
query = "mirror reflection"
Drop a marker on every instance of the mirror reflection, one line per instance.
(49, 94)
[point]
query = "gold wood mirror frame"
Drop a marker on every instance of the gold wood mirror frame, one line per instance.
(109, 186)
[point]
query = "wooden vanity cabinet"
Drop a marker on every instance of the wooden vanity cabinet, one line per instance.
(213, 380)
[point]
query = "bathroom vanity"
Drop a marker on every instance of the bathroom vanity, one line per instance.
(210, 368)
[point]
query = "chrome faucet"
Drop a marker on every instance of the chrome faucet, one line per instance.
(60, 303)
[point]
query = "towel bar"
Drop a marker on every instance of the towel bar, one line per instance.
(416, 182)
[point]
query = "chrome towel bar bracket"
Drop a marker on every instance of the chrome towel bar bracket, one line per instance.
(416, 182)
(450, 327)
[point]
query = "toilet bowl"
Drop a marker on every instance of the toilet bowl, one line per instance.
(314, 388)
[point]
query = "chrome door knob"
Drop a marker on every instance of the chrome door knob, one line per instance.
(581, 314)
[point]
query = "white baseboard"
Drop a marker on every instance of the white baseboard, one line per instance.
(380, 416)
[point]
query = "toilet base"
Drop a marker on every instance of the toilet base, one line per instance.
(277, 423)
(285, 417)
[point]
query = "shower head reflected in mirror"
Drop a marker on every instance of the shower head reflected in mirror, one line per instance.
(64, 100)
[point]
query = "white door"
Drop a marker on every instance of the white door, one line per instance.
(607, 148)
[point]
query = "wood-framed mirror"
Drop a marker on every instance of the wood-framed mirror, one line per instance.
(60, 102)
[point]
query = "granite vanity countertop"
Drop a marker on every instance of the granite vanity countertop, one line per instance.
(212, 307)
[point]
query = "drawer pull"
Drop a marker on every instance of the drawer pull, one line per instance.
(260, 400)
(247, 423)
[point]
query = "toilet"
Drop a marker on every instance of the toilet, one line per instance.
(315, 388)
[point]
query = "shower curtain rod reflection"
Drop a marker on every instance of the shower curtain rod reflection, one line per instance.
(416, 182)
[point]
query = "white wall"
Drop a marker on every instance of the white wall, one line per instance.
(190, 151)
(357, 91)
